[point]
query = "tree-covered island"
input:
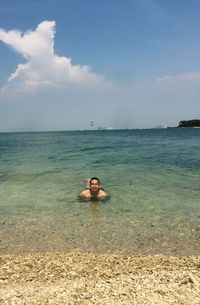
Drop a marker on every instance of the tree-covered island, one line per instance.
(189, 123)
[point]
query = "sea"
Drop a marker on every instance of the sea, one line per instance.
(152, 177)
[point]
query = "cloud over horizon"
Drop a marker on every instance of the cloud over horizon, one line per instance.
(43, 68)
(190, 77)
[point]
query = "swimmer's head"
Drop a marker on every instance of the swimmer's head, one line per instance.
(94, 184)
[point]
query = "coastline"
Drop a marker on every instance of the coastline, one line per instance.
(101, 279)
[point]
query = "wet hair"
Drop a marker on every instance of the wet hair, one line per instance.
(95, 178)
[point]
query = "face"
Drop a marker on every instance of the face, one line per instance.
(94, 185)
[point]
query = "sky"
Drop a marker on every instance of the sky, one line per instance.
(118, 63)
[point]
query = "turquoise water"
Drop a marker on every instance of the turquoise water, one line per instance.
(152, 176)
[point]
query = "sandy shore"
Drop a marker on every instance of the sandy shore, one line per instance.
(101, 279)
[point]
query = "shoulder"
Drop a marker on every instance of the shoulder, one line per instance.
(85, 193)
(102, 193)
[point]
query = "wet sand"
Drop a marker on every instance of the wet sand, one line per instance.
(101, 279)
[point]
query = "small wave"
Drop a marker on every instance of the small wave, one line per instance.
(96, 148)
(45, 172)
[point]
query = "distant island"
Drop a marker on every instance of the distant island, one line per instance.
(189, 123)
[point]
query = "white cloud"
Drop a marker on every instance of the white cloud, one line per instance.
(192, 77)
(44, 68)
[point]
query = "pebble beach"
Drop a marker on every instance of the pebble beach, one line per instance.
(103, 279)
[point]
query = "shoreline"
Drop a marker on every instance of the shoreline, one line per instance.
(101, 279)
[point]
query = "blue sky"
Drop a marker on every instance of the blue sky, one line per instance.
(122, 64)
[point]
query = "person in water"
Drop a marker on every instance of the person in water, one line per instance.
(93, 190)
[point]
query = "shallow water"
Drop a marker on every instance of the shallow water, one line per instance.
(152, 176)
